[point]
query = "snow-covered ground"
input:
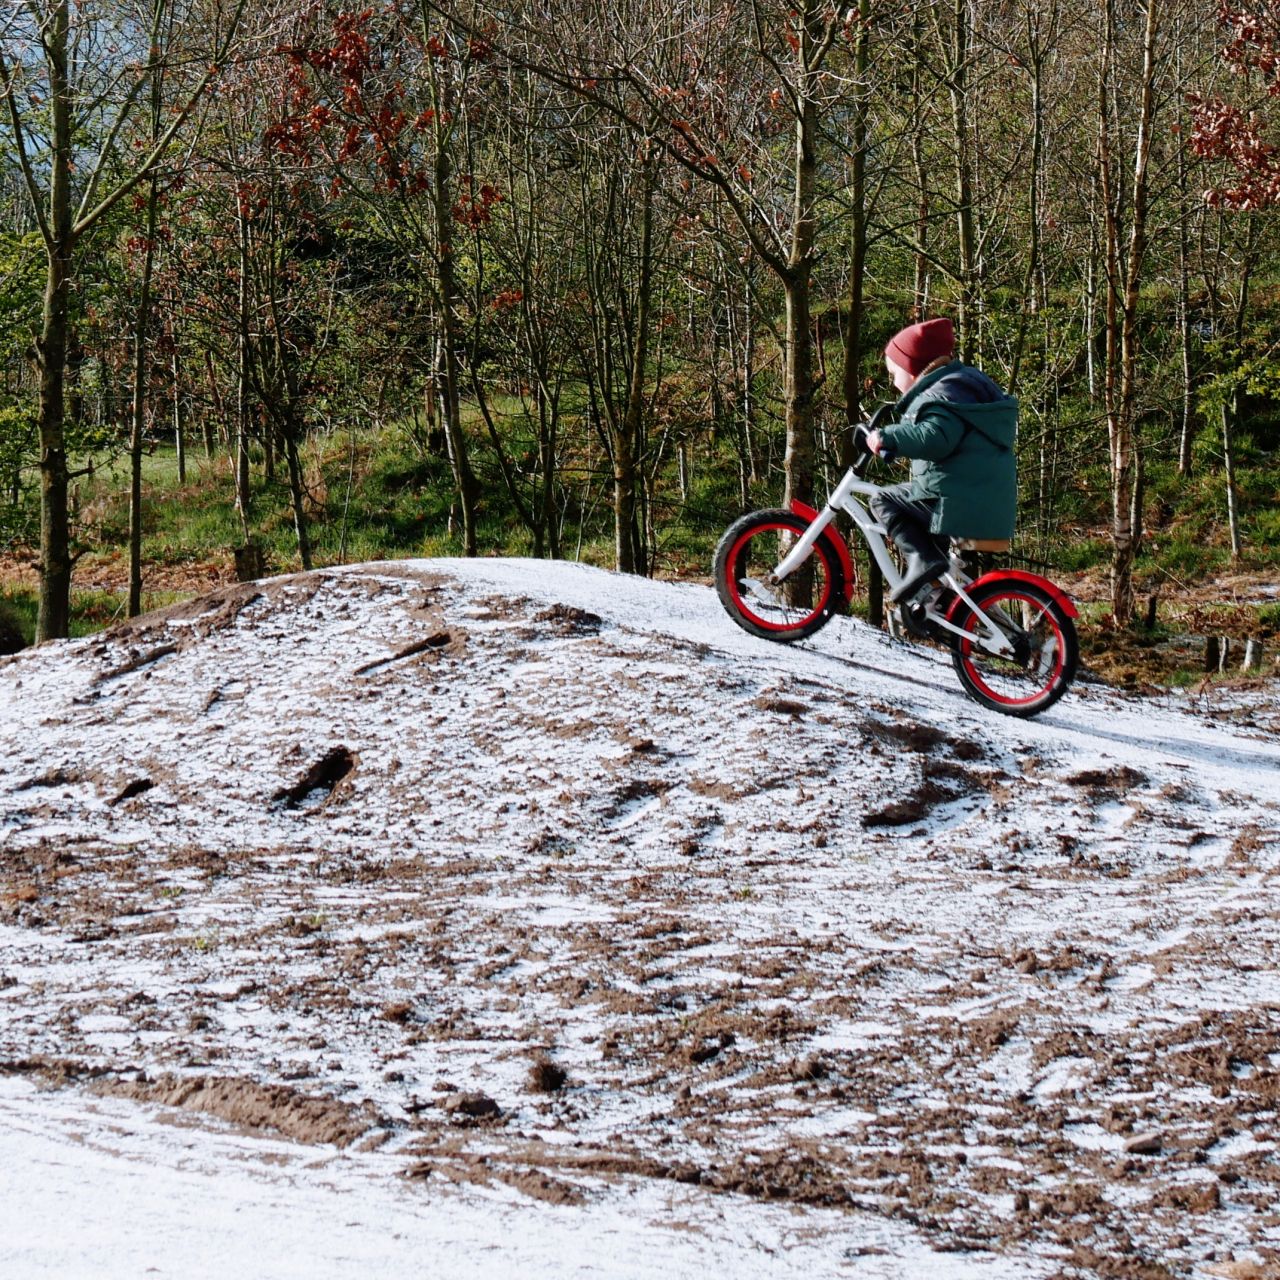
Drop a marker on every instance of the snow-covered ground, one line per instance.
(524, 919)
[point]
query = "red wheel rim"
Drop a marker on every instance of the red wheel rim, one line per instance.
(1045, 682)
(744, 604)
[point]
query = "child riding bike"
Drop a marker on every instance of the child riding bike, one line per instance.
(958, 428)
(1011, 632)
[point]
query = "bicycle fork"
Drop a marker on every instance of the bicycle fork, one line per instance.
(817, 527)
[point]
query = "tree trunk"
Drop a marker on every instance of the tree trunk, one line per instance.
(179, 438)
(139, 411)
(297, 495)
(966, 235)
(799, 459)
(1128, 469)
(1231, 406)
(1229, 410)
(1124, 276)
(1187, 428)
(920, 283)
(241, 443)
(854, 330)
(1033, 201)
(629, 554)
(54, 612)
(548, 449)
(219, 408)
(748, 474)
(468, 488)
(798, 463)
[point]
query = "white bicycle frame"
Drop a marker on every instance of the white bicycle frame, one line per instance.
(842, 499)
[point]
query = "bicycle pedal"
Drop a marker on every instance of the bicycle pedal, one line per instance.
(914, 621)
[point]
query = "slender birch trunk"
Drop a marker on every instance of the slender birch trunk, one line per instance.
(141, 348)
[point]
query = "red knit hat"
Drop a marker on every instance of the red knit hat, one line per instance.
(919, 345)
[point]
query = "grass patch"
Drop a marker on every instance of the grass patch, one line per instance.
(1081, 554)
(92, 609)
(15, 630)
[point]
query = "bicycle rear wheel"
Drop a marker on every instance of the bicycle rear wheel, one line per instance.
(1045, 649)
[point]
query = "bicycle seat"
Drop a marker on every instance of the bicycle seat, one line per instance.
(983, 544)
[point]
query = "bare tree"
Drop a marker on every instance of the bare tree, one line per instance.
(696, 79)
(67, 73)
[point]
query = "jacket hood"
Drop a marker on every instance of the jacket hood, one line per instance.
(970, 395)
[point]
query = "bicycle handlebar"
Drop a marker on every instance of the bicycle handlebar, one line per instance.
(865, 429)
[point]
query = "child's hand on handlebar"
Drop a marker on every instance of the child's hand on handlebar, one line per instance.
(876, 444)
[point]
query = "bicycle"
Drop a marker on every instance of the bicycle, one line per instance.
(783, 574)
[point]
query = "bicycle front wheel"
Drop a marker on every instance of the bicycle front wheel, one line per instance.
(1043, 648)
(784, 611)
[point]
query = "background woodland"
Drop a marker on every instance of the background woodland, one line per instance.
(589, 279)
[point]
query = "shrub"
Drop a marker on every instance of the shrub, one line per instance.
(12, 631)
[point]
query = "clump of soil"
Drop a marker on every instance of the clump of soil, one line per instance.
(135, 787)
(782, 706)
(941, 783)
(1117, 780)
(324, 776)
(212, 612)
(546, 1077)
(565, 620)
(915, 737)
(477, 1106)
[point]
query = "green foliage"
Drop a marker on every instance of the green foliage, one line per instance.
(92, 609)
(21, 292)
(15, 633)
(1076, 554)
(21, 288)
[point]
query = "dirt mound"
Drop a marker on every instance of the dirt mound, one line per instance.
(566, 882)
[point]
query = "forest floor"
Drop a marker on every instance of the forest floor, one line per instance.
(535, 921)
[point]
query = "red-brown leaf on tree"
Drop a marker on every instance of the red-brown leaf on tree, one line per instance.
(474, 208)
(351, 143)
(1222, 131)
